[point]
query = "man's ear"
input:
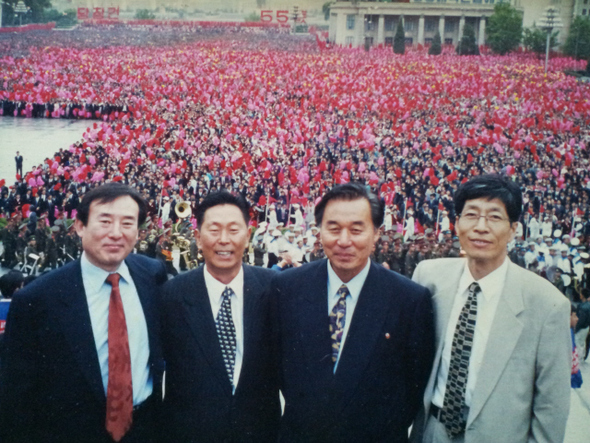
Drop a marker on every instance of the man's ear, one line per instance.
(79, 227)
(513, 227)
(198, 238)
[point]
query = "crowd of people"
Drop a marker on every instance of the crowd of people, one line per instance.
(381, 152)
(277, 120)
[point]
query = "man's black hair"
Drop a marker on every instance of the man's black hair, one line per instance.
(349, 192)
(11, 282)
(221, 198)
(489, 187)
(108, 193)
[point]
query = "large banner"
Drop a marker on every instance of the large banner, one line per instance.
(98, 13)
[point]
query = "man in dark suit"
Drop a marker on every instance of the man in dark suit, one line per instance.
(221, 377)
(345, 377)
(18, 159)
(82, 359)
(50, 208)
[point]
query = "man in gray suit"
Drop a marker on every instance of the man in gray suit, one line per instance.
(503, 350)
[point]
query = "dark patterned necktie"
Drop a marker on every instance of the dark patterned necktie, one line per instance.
(454, 402)
(227, 333)
(337, 321)
(120, 385)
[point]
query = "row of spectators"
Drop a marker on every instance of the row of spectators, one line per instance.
(178, 115)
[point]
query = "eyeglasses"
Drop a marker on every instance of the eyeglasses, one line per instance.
(470, 218)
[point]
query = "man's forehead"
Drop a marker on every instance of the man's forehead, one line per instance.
(494, 204)
(124, 204)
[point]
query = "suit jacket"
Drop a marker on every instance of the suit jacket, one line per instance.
(383, 366)
(523, 387)
(51, 387)
(198, 403)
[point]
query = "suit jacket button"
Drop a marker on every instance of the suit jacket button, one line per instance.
(387, 336)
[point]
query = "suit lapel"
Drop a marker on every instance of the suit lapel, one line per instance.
(443, 299)
(504, 335)
(199, 317)
(145, 291)
(252, 293)
(77, 327)
(315, 325)
(367, 321)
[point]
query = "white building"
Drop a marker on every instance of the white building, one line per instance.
(374, 23)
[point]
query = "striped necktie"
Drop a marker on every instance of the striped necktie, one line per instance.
(337, 321)
(453, 412)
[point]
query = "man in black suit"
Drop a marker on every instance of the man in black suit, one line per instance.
(82, 358)
(50, 208)
(18, 159)
(356, 340)
(221, 380)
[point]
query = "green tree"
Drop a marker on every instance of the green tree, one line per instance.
(468, 45)
(64, 19)
(8, 14)
(578, 40)
(504, 30)
(535, 39)
(436, 47)
(326, 10)
(34, 16)
(144, 14)
(252, 17)
(399, 41)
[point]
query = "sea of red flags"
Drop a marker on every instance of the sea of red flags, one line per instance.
(303, 118)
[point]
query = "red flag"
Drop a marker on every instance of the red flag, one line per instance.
(419, 227)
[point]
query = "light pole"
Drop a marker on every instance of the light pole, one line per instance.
(549, 21)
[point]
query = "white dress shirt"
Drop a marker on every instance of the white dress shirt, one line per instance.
(215, 290)
(354, 288)
(98, 295)
(487, 303)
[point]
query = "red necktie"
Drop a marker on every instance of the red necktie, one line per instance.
(120, 387)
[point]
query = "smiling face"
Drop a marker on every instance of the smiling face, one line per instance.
(485, 243)
(223, 238)
(110, 233)
(348, 236)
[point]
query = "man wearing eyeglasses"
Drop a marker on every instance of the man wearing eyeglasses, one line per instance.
(503, 350)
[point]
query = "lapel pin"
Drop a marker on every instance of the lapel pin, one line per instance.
(387, 336)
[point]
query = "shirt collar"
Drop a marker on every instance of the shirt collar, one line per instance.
(95, 276)
(354, 285)
(216, 288)
(490, 285)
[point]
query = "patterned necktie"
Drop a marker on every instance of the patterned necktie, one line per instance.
(227, 333)
(337, 321)
(120, 385)
(454, 402)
